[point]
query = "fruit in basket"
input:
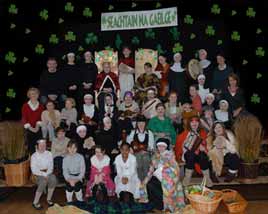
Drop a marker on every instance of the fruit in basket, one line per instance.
(194, 189)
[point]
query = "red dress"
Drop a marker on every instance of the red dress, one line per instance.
(31, 116)
(103, 77)
(164, 79)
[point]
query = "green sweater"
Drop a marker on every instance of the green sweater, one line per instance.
(156, 125)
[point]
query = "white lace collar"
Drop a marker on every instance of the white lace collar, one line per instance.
(32, 106)
(177, 67)
(99, 164)
(205, 63)
(89, 110)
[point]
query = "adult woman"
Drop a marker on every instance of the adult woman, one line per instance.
(223, 150)
(207, 66)
(163, 67)
(202, 91)
(234, 95)
(191, 149)
(50, 121)
(161, 125)
(74, 172)
(142, 141)
(163, 184)
(31, 118)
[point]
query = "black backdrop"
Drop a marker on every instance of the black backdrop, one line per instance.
(24, 30)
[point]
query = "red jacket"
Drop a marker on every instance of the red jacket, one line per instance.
(30, 116)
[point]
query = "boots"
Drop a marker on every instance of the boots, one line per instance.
(69, 196)
(209, 182)
(187, 177)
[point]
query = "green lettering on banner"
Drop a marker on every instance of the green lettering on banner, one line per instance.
(151, 19)
(134, 20)
(167, 17)
(110, 22)
(140, 20)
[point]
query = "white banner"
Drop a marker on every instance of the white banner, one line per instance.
(139, 19)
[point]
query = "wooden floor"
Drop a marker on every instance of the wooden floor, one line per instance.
(19, 201)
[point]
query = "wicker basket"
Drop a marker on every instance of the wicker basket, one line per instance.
(203, 206)
(234, 202)
(17, 174)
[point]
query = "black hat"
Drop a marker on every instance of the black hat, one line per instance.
(141, 118)
(163, 141)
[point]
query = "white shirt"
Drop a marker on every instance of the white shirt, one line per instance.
(203, 93)
(126, 169)
(222, 116)
(41, 161)
(89, 110)
(204, 63)
(99, 164)
(177, 67)
(141, 137)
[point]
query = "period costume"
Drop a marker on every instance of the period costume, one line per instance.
(164, 71)
(207, 67)
(220, 77)
(148, 109)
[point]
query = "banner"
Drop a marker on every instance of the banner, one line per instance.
(139, 19)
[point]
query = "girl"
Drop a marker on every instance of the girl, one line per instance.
(196, 100)
(31, 118)
(223, 150)
(163, 67)
(73, 172)
(148, 108)
(109, 109)
(142, 141)
(222, 114)
(50, 121)
(163, 185)
(202, 91)
(100, 172)
(206, 65)
(126, 179)
(207, 119)
(69, 117)
(210, 100)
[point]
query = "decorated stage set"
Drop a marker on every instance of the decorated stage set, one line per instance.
(32, 31)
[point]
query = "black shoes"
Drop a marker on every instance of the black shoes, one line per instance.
(37, 206)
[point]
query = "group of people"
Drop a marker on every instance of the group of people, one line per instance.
(138, 139)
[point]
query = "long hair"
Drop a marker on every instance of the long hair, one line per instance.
(212, 132)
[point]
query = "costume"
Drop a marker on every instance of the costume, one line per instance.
(89, 116)
(148, 109)
(220, 77)
(88, 73)
(164, 71)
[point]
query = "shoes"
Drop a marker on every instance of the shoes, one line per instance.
(230, 177)
(37, 206)
(214, 178)
(50, 203)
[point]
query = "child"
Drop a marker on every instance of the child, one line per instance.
(69, 117)
(187, 113)
(222, 114)
(100, 172)
(73, 172)
(207, 119)
(127, 177)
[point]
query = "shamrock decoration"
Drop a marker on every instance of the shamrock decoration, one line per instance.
(215, 9)
(210, 31)
(244, 62)
(258, 31)
(188, 20)
(7, 110)
(159, 49)
(53, 39)
(13, 9)
(192, 36)
(87, 12)
(149, 34)
(44, 14)
(10, 57)
(260, 52)
(118, 41)
(177, 48)
(61, 20)
(70, 36)
(10, 73)
(255, 99)
(80, 49)
(108, 48)
(91, 38)
(39, 49)
(158, 4)
(259, 75)
(135, 40)
(25, 59)
(11, 93)
(133, 4)
(175, 33)
(111, 7)
(12, 26)
(27, 31)
(233, 13)
(219, 42)
(69, 7)
(235, 36)
(250, 12)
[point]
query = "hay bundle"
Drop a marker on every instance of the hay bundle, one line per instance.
(248, 132)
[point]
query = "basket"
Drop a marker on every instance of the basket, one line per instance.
(203, 206)
(234, 202)
(17, 174)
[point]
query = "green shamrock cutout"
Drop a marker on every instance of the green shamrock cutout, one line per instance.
(258, 76)
(44, 14)
(39, 49)
(87, 12)
(251, 12)
(192, 36)
(258, 31)
(12, 26)
(53, 39)
(219, 42)
(255, 99)
(10, 57)
(61, 20)
(108, 48)
(244, 62)
(69, 7)
(150, 34)
(27, 31)
(91, 38)
(158, 4)
(25, 59)
(118, 41)
(133, 4)
(10, 73)
(210, 31)
(70, 36)
(11, 93)
(235, 36)
(111, 7)
(175, 33)
(135, 40)
(80, 48)
(13, 9)
(260, 52)
(215, 9)
(7, 110)
(233, 13)
(159, 49)
(177, 48)
(188, 20)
